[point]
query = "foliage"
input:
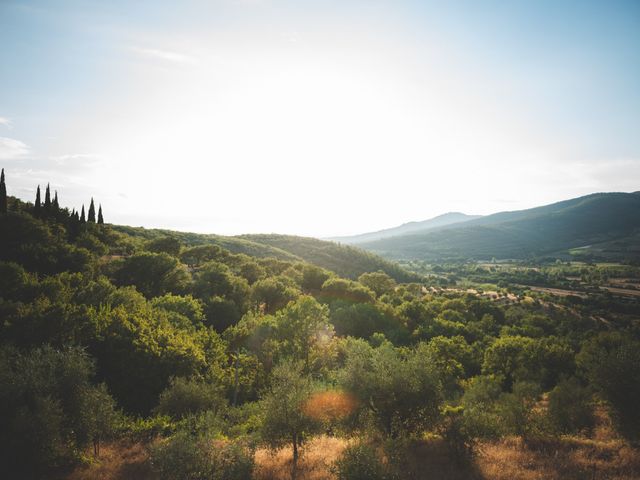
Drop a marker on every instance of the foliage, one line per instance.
(285, 420)
(186, 396)
(571, 408)
(401, 390)
(360, 461)
(611, 362)
(189, 456)
(50, 408)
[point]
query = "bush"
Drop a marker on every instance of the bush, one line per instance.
(186, 456)
(186, 396)
(570, 407)
(360, 462)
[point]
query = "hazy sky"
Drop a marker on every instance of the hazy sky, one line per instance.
(317, 117)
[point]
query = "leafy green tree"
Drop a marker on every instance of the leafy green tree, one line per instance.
(186, 396)
(167, 244)
(453, 359)
(153, 274)
(285, 421)
(100, 416)
(186, 306)
(401, 390)
(313, 277)
(91, 217)
(571, 407)
(611, 363)
(361, 320)
(48, 410)
(200, 254)
(215, 278)
(360, 461)
(139, 350)
(347, 290)
(3, 194)
(271, 294)
(82, 217)
(481, 415)
(379, 282)
(196, 455)
(100, 217)
(55, 204)
(303, 328)
(518, 358)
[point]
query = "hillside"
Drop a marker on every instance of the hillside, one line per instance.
(450, 218)
(344, 260)
(602, 225)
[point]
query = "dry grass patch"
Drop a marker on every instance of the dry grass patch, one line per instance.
(314, 464)
(118, 461)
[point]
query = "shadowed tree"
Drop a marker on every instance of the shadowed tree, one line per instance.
(91, 217)
(37, 204)
(285, 420)
(3, 194)
(100, 217)
(82, 217)
(55, 203)
(47, 198)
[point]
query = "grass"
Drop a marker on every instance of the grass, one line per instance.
(599, 456)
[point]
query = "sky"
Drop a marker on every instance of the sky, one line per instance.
(317, 118)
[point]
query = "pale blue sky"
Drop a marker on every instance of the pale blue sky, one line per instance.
(317, 117)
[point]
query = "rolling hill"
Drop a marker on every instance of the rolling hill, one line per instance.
(346, 261)
(450, 218)
(601, 225)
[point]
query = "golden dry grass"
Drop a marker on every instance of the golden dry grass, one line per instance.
(117, 461)
(314, 464)
(601, 456)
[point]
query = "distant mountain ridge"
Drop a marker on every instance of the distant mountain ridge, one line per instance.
(443, 220)
(605, 225)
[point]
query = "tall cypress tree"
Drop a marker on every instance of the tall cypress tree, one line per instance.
(47, 199)
(37, 204)
(100, 217)
(56, 205)
(92, 212)
(3, 194)
(82, 219)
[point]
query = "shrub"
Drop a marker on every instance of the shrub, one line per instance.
(186, 396)
(360, 462)
(186, 456)
(570, 407)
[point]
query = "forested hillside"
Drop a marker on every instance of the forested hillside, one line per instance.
(444, 220)
(213, 364)
(603, 225)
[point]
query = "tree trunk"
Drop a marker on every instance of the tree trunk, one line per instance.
(294, 466)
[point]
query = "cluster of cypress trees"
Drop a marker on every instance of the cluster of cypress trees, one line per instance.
(91, 215)
(52, 206)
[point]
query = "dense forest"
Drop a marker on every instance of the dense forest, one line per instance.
(205, 352)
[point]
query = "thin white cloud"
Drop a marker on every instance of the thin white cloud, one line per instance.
(11, 148)
(165, 55)
(79, 159)
(6, 122)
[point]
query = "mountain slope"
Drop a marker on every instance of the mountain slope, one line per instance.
(551, 229)
(407, 228)
(346, 261)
